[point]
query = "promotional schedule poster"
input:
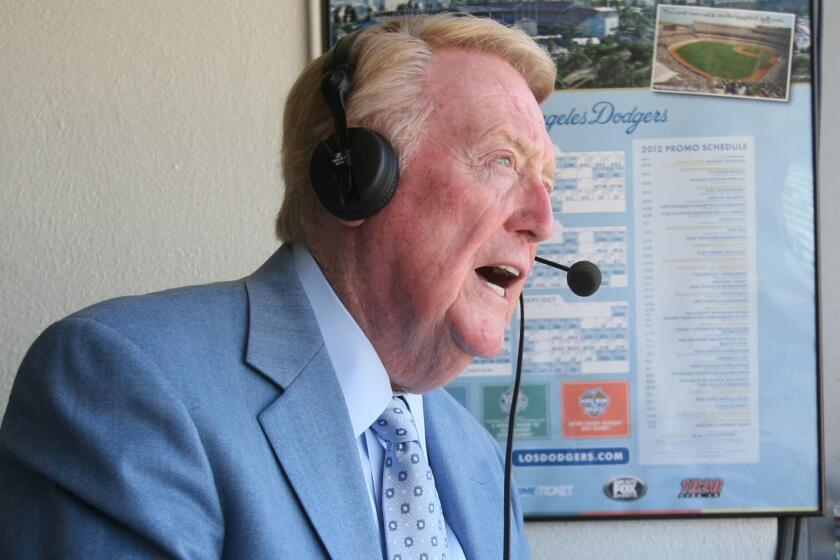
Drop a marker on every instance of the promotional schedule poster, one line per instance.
(688, 383)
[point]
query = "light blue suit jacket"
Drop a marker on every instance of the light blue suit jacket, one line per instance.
(207, 422)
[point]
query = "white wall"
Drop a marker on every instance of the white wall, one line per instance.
(139, 150)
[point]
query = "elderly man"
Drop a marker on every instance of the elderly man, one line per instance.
(298, 413)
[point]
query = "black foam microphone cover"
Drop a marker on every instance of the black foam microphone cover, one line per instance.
(583, 278)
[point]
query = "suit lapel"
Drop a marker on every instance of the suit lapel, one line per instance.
(471, 500)
(309, 430)
(308, 426)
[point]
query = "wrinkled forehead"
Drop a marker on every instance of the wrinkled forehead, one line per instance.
(476, 77)
(474, 92)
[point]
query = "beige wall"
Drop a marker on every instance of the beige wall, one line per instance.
(139, 150)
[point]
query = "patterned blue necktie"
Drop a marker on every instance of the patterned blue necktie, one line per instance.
(411, 512)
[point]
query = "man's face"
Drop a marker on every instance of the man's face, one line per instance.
(449, 255)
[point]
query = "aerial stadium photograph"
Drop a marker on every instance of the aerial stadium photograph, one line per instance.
(739, 53)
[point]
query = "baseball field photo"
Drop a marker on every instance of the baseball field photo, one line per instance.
(738, 53)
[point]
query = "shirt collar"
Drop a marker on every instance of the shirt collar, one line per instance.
(361, 375)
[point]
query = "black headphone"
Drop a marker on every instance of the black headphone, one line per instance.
(354, 171)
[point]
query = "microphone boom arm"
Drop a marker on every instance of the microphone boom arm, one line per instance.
(539, 259)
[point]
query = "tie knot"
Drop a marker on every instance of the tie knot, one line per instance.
(396, 424)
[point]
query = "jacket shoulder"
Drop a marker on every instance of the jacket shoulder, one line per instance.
(169, 308)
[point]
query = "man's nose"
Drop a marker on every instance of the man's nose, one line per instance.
(533, 216)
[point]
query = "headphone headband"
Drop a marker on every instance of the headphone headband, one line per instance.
(341, 55)
(335, 83)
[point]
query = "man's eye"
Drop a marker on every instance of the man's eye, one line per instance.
(504, 160)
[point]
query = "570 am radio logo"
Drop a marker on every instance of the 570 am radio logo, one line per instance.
(701, 488)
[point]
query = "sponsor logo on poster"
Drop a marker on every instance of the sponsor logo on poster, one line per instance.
(625, 488)
(596, 409)
(547, 491)
(701, 488)
(506, 401)
(594, 402)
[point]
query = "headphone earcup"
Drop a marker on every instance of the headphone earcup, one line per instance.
(374, 169)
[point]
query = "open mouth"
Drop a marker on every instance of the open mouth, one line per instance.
(498, 278)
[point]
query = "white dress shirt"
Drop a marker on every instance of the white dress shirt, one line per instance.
(363, 380)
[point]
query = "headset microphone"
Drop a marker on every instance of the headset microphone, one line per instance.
(584, 279)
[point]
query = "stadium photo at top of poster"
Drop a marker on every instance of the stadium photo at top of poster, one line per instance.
(598, 44)
(737, 53)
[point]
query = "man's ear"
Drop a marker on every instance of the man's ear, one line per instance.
(327, 217)
(351, 223)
